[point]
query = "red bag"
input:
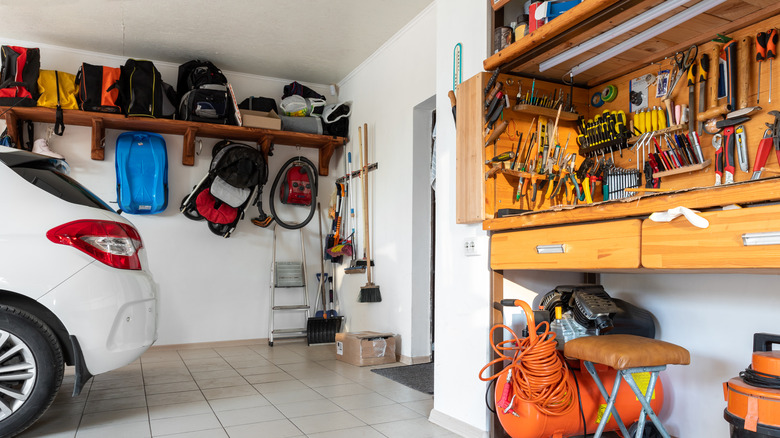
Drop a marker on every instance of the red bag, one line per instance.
(19, 76)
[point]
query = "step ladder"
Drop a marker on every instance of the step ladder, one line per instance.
(288, 275)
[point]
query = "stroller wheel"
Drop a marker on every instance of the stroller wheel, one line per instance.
(222, 230)
(190, 211)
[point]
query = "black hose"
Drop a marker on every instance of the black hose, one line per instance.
(309, 168)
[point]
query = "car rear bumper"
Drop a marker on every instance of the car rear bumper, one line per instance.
(112, 312)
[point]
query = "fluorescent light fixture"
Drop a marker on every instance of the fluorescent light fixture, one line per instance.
(549, 249)
(755, 239)
(615, 32)
(639, 38)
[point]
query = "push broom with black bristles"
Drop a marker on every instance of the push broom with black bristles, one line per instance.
(370, 292)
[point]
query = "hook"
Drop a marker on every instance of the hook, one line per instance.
(103, 143)
(200, 147)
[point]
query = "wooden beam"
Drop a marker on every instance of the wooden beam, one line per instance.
(98, 139)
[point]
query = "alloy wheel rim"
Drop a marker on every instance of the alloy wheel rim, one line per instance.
(17, 373)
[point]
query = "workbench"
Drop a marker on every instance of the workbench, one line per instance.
(616, 235)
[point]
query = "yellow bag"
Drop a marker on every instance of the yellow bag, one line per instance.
(53, 82)
(58, 90)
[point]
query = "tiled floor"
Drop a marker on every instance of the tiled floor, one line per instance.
(289, 390)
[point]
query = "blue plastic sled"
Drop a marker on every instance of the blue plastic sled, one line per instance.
(141, 172)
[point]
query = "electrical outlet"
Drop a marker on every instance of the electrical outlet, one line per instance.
(470, 246)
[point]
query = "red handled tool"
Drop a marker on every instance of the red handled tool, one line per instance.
(766, 48)
(731, 145)
(762, 154)
(717, 143)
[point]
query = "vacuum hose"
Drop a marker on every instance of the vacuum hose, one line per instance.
(538, 375)
(309, 169)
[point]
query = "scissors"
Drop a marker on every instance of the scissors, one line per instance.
(682, 62)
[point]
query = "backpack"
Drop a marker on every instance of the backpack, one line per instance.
(99, 88)
(19, 76)
(58, 90)
(203, 93)
(143, 91)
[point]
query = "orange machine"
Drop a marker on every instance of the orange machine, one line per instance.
(538, 394)
(753, 398)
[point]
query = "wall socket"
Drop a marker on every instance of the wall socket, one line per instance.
(470, 247)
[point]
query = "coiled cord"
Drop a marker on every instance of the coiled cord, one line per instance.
(757, 378)
(539, 375)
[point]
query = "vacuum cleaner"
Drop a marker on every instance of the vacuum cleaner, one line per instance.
(753, 398)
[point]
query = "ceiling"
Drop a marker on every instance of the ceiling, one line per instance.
(315, 41)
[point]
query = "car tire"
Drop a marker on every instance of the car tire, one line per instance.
(28, 388)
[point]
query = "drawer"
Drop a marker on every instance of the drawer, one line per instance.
(680, 245)
(604, 245)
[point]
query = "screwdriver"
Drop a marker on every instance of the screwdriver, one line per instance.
(766, 48)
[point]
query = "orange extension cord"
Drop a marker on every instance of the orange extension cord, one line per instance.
(539, 375)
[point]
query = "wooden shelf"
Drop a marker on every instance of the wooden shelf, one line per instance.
(266, 138)
(547, 112)
(743, 193)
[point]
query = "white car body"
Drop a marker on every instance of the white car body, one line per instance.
(111, 312)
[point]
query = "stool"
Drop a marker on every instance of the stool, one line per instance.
(628, 354)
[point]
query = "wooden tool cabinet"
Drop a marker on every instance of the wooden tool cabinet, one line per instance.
(618, 230)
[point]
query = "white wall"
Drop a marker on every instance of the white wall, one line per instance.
(206, 283)
(385, 90)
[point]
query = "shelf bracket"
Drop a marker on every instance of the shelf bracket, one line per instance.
(188, 146)
(266, 146)
(98, 139)
(12, 124)
(326, 152)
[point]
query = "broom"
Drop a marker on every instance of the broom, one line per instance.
(370, 292)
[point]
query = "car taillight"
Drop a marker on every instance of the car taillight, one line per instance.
(113, 243)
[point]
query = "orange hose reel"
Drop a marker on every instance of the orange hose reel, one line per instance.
(539, 399)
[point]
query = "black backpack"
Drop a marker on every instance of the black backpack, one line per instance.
(203, 93)
(19, 76)
(143, 92)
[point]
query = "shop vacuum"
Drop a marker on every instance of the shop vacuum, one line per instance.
(753, 398)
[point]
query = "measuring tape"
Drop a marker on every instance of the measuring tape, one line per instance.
(456, 65)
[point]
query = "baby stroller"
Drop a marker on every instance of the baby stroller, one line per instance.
(236, 173)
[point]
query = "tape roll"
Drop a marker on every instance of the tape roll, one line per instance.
(596, 101)
(609, 93)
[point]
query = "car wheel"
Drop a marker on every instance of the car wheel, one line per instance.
(31, 368)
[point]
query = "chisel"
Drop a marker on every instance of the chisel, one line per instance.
(742, 152)
(497, 132)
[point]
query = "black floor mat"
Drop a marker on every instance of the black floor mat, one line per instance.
(419, 377)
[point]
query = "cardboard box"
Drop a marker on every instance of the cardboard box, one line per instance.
(366, 348)
(260, 119)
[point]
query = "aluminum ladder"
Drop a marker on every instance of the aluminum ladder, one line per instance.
(286, 275)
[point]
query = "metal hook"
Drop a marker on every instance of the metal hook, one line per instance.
(200, 147)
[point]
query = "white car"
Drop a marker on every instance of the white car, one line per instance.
(74, 287)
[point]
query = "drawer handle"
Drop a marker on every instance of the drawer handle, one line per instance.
(549, 249)
(755, 239)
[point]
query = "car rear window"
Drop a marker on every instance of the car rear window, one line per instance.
(60, 185)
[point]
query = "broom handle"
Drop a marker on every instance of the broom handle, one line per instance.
(364, 182)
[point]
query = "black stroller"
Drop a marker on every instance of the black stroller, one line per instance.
(236, 174)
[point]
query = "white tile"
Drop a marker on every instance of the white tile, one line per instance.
(257, 414)
(384, 414)
(159, 356)
(267, 378)
(198, 353)
(249, 401)
(221, 382)
(231, 391)
(285, 385)
(125, 382)
(267, 429)
(422, 407)
(239, 362)
(203, 375)
(342, 390)
(171, 387)
(114, 404)
(107, 418)
(234, 351)
(357, 401)
(190, 423)
(103, 394)
(326, 422)
(126, 430)
(209, 433)
(168, 378)
(264, 369)
(309, 407)
(356, 432)
(179, 410)
(329, 380)
(418, 427)
(297, 395)
(172, 398)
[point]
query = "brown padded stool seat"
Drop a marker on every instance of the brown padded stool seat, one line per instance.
(626, 351)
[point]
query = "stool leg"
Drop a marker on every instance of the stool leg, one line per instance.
(645, 400)
(609, 399)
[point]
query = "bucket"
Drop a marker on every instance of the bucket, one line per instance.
(323, 330)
